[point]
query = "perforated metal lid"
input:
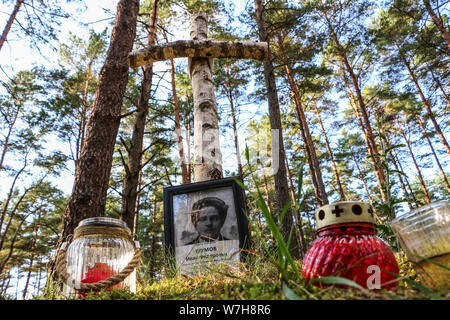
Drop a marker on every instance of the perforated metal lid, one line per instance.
(343, 212)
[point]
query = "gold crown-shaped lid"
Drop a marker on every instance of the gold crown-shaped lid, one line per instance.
(343, 212)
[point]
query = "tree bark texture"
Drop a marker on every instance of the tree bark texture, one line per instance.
(88, 197)
(207, 154)
(278, 158)
(200, 47)
(134, 165)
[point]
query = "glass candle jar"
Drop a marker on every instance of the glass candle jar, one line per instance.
(101, 247)
(424, 234)
(347, 246)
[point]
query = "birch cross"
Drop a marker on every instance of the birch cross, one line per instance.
(200, 53)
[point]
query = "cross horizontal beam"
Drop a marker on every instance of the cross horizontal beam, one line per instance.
(199, 48)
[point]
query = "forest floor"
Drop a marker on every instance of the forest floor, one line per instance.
(261, 281)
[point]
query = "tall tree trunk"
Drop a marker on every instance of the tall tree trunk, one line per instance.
(83, 116)
(281, 185)
(291, 182)
(266, 188)
(422, 182)
(426, 104)
(444, 176)
(11, 19)
(88, 197)
(134, 165)
(438, 22)
(234, 123)
(372, 147)
(188, 144)
(313, 162)
(207, 153)
(330, 153)
(354, 105)
(185, 174)
(37, 285)
(236, 137)
(311, 150)
(153, 243)
(317, 192)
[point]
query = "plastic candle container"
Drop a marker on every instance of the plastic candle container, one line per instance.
(347, 246)
(101, 247)
(424, 234)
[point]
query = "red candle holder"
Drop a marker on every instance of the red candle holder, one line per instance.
(100, 271)
(347, 246)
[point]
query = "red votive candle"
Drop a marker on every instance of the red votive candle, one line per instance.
(100, 271)
(347, 246)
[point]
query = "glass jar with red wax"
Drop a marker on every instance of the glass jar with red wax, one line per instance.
(347, 246)
(101, 248)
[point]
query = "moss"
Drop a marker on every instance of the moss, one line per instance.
(259, 280)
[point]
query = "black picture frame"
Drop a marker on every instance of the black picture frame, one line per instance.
(226, 185)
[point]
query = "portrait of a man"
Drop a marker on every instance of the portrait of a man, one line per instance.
(208, 216)
(204, 223)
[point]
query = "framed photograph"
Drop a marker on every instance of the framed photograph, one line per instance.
(205, 223)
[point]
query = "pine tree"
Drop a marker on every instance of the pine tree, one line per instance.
(91, 181)
(281, 184)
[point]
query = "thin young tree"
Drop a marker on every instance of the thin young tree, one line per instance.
(135, 149)
(281, 184)
(184, 163)
(339, 19)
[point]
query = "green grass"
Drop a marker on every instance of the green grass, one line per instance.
(259, 279)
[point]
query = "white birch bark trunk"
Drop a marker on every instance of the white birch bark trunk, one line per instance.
(207, 154)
